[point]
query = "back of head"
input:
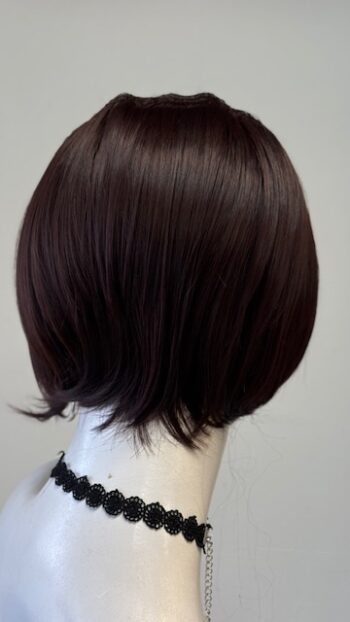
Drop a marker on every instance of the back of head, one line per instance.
(166, 267)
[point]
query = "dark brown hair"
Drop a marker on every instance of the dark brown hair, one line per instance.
(166, 267)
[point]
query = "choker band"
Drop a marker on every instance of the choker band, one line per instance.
(133, 508)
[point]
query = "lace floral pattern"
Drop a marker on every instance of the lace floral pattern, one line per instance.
(133, 508)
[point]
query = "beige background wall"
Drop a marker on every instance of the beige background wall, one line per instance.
(281, 508)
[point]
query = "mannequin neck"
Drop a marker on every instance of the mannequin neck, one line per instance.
(175, 476)
(182, 478)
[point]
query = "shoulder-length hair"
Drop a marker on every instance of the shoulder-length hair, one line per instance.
(166, 267)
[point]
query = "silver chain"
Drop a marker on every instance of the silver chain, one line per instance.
(208, 586)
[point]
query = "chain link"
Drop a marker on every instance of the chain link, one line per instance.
(208, 586)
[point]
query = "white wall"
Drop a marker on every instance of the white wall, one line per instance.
(281, 507)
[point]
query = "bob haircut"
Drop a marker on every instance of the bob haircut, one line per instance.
(166, 267)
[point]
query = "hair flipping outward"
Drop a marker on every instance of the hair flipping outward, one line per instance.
(166, 267)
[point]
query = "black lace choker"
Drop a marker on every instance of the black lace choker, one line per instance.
(132, 508)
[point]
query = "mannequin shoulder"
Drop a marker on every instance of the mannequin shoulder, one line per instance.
(26, 489)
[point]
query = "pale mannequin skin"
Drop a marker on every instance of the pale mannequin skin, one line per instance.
(63, 561)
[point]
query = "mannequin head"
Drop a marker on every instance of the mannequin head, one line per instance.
(166, 267)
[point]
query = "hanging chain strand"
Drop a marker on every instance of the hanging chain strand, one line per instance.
(208, 587)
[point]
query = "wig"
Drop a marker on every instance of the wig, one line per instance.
(166, 267)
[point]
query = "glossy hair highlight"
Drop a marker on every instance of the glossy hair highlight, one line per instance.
(166, 267)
